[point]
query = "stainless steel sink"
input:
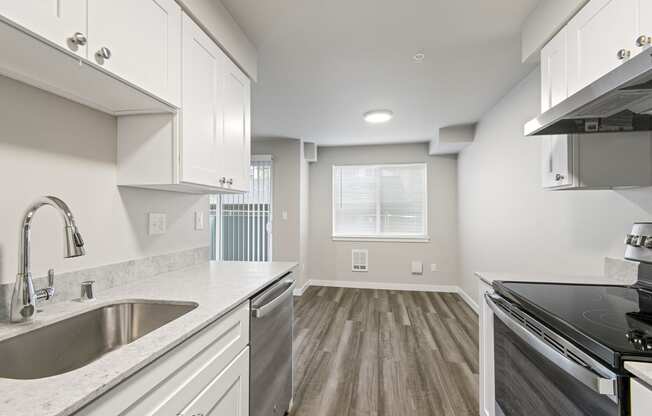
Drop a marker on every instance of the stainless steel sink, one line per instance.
(74, 342)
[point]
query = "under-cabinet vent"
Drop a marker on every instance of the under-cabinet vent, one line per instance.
(360, 260)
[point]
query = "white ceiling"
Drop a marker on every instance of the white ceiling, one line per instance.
(322, 64)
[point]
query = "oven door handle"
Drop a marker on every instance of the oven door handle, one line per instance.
(601, 385)
(265, 309)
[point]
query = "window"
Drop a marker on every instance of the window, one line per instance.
(380, 201)
(241, 223)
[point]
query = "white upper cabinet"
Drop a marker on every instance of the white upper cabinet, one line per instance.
(644, 36)
(600, 37)
(201, 117)
(235, 154)
(206, 147)
(554, 82)
(557, 161)
(56, 20)
(139, 41)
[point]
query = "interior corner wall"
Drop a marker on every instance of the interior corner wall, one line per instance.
(286, 209)
(508, 223)
(389, 262)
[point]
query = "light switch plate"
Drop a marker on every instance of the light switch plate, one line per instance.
(434, 267)
(157, 223)
(199, 220)
(417, 267)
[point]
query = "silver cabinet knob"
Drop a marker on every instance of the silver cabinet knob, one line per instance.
(104, 53)
(230, 181)
(643, 40)
(624, 54)
(78, 39)
(559, 177)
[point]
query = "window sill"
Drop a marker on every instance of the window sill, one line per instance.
(382, 239)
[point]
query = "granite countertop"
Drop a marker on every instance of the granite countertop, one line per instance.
(216, 287)
(641, 370)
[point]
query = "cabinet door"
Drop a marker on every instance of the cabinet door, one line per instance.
(554, 85)
(201, 121)
(55, 20)
(644, 25)
(596, 35)
(557, 161)
(144, 40)
(237, 127)
(228, 394)
(487, 393)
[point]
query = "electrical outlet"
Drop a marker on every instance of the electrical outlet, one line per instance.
(157, 223)
(417, 267)
(199, 220)
(285, 215)
(434, 267)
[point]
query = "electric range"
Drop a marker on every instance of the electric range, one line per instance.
(560, 348)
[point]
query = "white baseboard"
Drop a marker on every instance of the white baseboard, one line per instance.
(469, 300)
(299, 291)
(389, 286)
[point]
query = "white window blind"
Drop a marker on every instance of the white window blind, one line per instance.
(380, 201)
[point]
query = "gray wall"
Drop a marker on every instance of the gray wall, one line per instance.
(286, 170)
(507, 223)
(49, 145)
(389, 262)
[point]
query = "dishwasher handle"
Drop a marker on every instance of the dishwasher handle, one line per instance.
(266, 308)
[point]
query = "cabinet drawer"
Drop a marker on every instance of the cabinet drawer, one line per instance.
(227, 394)
(172, 382)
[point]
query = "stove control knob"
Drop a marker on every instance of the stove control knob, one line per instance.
(648, 344)
(635, 241)
(637, 338)
(648, 242)
(628, 239)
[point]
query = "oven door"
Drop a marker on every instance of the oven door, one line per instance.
(539, 373)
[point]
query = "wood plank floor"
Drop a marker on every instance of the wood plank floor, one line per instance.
(363, 352)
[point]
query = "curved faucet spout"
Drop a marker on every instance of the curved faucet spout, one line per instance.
(23, 301)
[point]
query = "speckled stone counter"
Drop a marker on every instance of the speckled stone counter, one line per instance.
(216, 287)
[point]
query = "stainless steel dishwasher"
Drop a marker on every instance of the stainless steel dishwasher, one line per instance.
(272, 321)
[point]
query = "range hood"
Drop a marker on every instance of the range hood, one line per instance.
(620, 101)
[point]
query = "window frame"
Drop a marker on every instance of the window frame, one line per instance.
(406, 238)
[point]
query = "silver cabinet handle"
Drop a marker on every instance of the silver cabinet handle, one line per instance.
(624, 54)
(230, 181)
(643, 40)
(559, 177)
(78, 39)
(263, 310)
(585, 375)
(104, 53)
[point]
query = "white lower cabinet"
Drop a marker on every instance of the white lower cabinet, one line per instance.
(596, 161)
(207, 374)
(641, 398)
(487, 389)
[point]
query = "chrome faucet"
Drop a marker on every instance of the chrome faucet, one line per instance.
(24, 297)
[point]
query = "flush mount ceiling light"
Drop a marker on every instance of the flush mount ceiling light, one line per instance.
(378, 116)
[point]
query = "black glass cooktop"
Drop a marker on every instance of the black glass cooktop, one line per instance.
(611, 322)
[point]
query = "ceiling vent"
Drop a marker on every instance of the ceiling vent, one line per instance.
(360, 260)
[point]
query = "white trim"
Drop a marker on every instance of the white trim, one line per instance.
(382, 239)
(300, 290)
(262, 158)
(390, 286)
(469, 300)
